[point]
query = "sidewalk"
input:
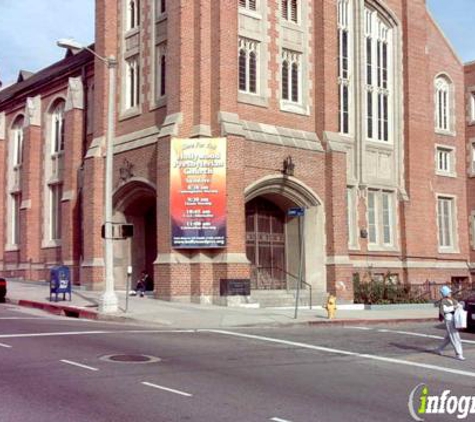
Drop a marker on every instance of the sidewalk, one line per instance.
(149, 311)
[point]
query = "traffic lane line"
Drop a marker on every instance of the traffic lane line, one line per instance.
(409, 333)
(170, 390)
(26, 318)
(96, 332)
(279, 420)
(366, 356)
(7, 346)
(79, 365)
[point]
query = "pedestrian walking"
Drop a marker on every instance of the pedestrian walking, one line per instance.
(447, 308)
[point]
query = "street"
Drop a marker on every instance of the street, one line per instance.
(55, 368)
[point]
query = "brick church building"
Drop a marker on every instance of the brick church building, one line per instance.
(359, 112)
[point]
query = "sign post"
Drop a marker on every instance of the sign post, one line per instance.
(300, 214)
(128, 287)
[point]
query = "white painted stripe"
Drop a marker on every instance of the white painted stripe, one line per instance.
(27, 318)
(357, 328)
(423, 335)
(170, 390)
(84, 333)
(279, 420)
(5, 345)
(69, 362)
(346, 353)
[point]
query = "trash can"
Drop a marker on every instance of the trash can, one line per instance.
(60, 282)
(3, 290)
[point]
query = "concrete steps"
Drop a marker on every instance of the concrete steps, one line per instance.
(279, 298)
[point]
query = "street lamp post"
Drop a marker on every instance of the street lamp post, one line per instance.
(108, 301)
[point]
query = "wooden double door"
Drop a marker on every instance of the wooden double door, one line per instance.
(265, 244)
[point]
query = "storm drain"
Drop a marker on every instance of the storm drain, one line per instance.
(130, 358)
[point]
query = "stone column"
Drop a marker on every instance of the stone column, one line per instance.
(31, 227)
(71, 223)
(339, 270)
(106, 45)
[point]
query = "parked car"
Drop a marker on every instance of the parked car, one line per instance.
(469, 306)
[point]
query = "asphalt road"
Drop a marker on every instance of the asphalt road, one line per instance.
(55, 368)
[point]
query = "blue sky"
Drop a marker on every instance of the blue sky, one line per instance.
(29, 30)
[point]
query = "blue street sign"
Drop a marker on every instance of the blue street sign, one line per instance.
(296, 212)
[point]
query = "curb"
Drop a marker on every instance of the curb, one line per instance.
(69, 311)
(374, 321)
(76, 312)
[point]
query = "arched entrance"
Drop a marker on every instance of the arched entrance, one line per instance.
(135, 203)
(265, 243)
(273, 238)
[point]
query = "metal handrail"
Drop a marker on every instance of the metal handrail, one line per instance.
(302, 281)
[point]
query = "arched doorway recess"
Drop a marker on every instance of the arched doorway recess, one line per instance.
(135, 203)
(273, 239)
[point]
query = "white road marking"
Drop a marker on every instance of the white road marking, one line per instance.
(170, 390)
(279, 420)
(357, 328)
(69, 362)
(28, 318)
(5, 345)
(346, 353)
(84, 333)
(409, 333)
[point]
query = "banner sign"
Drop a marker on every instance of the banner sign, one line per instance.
(198, 192)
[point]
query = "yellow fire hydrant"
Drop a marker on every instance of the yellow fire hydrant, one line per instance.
(331, 306)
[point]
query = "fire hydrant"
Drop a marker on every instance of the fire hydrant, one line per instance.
(331, 306)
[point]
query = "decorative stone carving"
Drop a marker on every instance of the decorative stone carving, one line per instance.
(33, 111)
(75, 96)
(126, 170)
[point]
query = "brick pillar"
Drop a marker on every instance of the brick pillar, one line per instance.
(92, 267)
(339, 274)
(71, 224)
(31, 227)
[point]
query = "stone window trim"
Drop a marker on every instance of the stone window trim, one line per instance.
(291, 74)
(444, 105)
(472, 230)
(132, 15)
(471, 106)
(54, 153)
(55, 193)
(160, 74)
(296, 38)
(13, 230)
(160, 10)
(445, 164)
(384, 217)
(251, 8)
(249, 66)
(379, 76)
(471, 154)
(290, 12)
(453, 223)
(345, 65)
(352, 192)
(56, 127)
(131, 95)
